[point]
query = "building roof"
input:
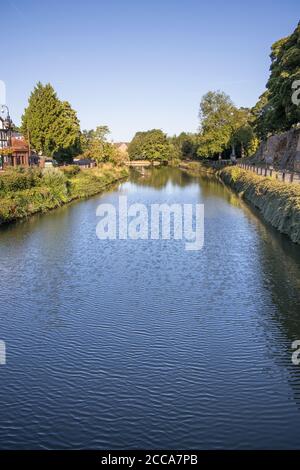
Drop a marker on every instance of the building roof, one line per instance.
(83, 161)
(19, 144)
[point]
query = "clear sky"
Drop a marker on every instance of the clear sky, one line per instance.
(135, 65)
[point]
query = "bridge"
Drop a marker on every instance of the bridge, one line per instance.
(142, 163)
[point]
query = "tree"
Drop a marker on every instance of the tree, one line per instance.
(66, 132)
(96, 151)
(96, 146)
(213, 142)
(243, 136)
(51, 124)
(276, 109)
(101, 133)
(152, 145)
(259, 115)
(217, 123)
(224, 126)
(185, 145)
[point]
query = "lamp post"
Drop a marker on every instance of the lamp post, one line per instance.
(7, 119)
(5, 130)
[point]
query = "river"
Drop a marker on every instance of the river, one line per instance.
(142, 344)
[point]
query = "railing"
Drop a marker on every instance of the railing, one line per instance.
(281, 175)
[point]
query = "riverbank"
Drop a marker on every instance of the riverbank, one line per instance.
(278, 202)
(24, 192)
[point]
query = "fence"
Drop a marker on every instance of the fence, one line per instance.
(281, 175)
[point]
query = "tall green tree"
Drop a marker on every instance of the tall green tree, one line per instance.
(66, 132)
(223, 126)
(277, 111)
(52, 125)
(217, 116)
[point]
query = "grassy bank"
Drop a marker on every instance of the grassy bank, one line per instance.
(278, 202)
(196, 168)
(24, 192)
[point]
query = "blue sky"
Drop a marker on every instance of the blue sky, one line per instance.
(135, 65)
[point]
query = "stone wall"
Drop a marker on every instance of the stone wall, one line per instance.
(280, 150)
(278, 202)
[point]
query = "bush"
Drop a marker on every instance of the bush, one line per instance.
(278, 202)
(16, 179)
(53, 188)
(53, 177)
(70, 170)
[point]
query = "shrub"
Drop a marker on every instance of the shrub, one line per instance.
(53, 189)
(16, 179)
(53, 177)
(279, 202)
(70, 170)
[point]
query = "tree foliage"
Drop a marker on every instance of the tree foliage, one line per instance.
(215, 117)
(52, 125)
(151, 145)
(222, 125)
(185, 145)
(275, 110)
(96, 146)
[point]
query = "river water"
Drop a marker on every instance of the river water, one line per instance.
(142, 344)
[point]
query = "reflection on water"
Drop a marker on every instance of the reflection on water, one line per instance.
(141, 344)
(159, 177)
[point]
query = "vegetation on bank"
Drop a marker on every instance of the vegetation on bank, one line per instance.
(53, 130)
(24, 192)
(278, 202)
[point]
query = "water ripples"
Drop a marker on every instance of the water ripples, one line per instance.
(144, 345)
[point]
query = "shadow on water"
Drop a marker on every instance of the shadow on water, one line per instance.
(280, 258)
(280, 264)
